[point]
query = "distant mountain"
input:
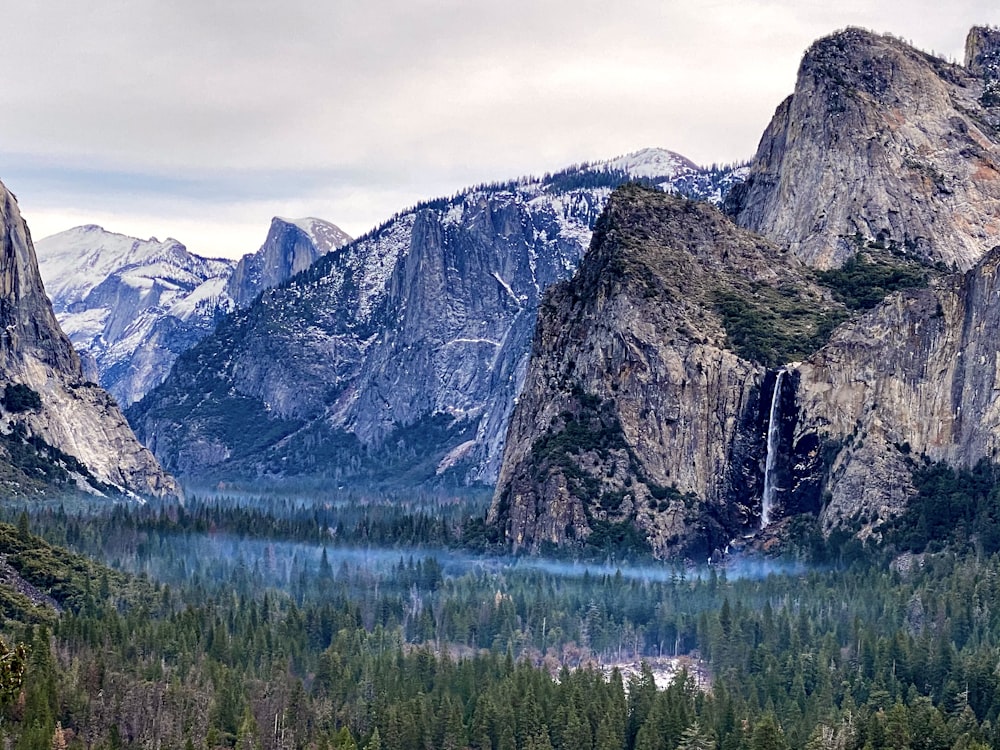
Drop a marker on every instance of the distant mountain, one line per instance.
(292, 245)
(58, 432)
(401, 354)
(133, 305)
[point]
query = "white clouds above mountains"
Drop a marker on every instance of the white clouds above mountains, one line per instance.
(202, 118)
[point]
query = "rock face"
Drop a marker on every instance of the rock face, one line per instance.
(982, 52)
(648, 409)
(134, 305)
(638, 414)
(881, 144)
(48, 408)
(917, 376)
(131, 305)
(292, 245)
(398, 355)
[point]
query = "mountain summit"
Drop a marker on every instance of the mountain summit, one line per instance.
(134, 305)
(881, 144)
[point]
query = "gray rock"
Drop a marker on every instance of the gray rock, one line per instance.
(134, 305)
(880, 144)
(290, 247)
(917, 376)
(75, 416)
(636, 412)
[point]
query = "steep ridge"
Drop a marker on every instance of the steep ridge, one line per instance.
(50, 416)
(134, 305)
(642, 418)
(918, 376)
(398, 355)
(881, 144)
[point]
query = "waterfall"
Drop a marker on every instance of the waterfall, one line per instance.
(773, 437)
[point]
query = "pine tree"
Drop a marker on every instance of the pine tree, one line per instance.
(696, 738)
(248, 736)
(23, 527)
(58, 737)
(375, 742)
(767, 734)
(343, 740)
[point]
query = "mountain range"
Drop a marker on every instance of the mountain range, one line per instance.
(131, 306)
(59, 432)
(398, 356)
(704, 377)
(638, 353)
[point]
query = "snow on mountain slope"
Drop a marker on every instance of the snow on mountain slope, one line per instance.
(76, 261)
(325, 235)
(116, 296)
(400, 353)
(134, 305)
(652, 163)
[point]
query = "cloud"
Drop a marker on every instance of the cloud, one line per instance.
(188, 109)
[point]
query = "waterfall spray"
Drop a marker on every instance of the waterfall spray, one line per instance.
(773, 436)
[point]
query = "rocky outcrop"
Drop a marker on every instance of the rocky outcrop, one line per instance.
(399, 355)
(918, 376)
(47, 404)
(646, 409)
(292, 245)
(982, 52)
(639, 413)
(881, 144)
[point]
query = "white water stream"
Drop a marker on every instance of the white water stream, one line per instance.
(773, 436)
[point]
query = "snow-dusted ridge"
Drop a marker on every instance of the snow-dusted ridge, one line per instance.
(427, 318)
(134, 305)
(325, 235)
(652, 163)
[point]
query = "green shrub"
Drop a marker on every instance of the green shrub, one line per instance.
(18, 397)
(953, 507)
(774, 326)
(866, 279)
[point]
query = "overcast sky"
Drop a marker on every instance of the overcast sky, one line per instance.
(201, 119)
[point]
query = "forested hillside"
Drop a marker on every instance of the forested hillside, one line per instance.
(286, 644)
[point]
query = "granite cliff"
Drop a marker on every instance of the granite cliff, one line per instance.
(696, 381)
(58, 429)
(292, 245)
(918, 376)
(881, 144)
(645, 409)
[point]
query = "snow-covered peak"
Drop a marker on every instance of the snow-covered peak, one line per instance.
(652, 163)
(73, 263)
(325, 235)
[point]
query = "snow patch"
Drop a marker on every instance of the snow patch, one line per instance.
(506, 286)
(325, 235)
(455, 455)
(652, 163)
